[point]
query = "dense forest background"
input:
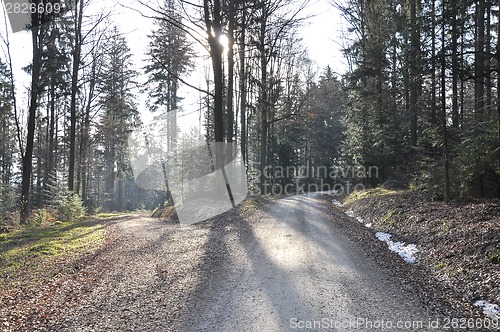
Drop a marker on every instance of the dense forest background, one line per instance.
(419, 101)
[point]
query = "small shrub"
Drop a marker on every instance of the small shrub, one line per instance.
(92, 206)
(42, 217)
(70, 208)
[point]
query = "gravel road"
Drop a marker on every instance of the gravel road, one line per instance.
(293, 269)
(287, 267)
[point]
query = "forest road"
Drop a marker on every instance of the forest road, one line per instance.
(287, 267)
(293, 270)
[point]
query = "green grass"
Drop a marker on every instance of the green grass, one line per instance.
(357, 195)
(33, 247)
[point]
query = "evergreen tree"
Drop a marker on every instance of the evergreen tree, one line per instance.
(170, 56)
(119, 116)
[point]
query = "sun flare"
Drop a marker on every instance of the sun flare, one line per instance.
(224, 41)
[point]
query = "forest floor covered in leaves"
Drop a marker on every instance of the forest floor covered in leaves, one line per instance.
(458, 242)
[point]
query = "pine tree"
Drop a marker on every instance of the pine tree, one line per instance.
(119, 116)
(170, 56)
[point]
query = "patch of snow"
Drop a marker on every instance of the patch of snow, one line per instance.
(383, 236)
(489, 309)
(407, 252)
(351, 214)
(336, 203)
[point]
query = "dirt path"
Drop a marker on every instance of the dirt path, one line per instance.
(287, 267)
(140, 282)
(291, 269)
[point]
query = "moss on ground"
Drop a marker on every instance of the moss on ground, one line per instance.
(34, 247)
(358, 195)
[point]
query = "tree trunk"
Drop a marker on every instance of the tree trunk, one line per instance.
(263, 102)
(414, 73)
(74, 88)
(479, 60)
(243, 88)
(50, 142)
(487, 60)
(230, 73)
(27, 159)
(454, 66)
(110, 176)
(433, 66)
(214, 31)
(498, 91)
(446, 191)
(85, 134)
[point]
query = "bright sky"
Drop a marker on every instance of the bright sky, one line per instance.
(319, 36)
(323, 34)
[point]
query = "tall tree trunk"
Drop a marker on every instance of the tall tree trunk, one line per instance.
(463, 14)
(48, 183)
(479, 60)
(74, 89)
(110, 154)
(263, 102)
(86, 133)
(414, 72)
(454, 66)
(433, 66)
(214, 31)
(40, 162)
(27, 159)
(230, 75)
(498, 91)
(487, 60)
(446, 191)
(230, 83)
(243, 88)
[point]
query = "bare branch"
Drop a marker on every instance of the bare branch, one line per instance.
(180, 79)
(166, 17)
